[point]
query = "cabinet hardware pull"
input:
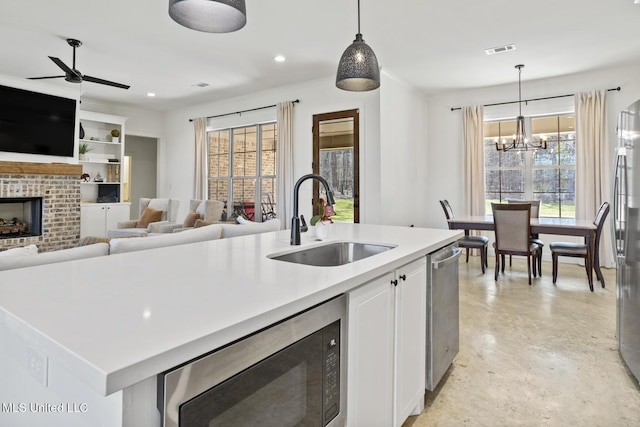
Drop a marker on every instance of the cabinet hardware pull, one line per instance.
(403, 277)
(394, 282)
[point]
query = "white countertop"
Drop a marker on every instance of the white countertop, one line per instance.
(115, 320)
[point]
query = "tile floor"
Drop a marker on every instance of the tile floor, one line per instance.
(539, 355)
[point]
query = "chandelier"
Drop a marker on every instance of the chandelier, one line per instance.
(520, 140)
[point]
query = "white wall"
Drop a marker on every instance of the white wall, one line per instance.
(403, 153)
(316, 97)
(445, 130)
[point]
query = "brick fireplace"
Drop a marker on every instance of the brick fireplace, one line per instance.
(58, 188)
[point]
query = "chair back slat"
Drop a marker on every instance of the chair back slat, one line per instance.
(535, 206)
(601, 216)
(446, 207)
(512, 226)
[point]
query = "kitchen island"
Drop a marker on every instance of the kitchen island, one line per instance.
(81, 342)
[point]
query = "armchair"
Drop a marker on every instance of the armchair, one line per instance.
(153, 214)
(207, 210)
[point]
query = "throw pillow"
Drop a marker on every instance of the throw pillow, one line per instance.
(191, 219)
(26, 250)
(148, 216)
(203, 223)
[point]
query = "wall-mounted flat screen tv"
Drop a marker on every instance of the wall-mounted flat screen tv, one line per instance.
(36, 123)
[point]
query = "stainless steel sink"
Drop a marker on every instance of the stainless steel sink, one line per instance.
(333, 254)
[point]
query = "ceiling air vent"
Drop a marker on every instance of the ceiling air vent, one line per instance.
(201, 84)
(500, 49)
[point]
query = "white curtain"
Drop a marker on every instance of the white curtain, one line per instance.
(593, 168)
(473, 156)
(284, 173)
(200, 177)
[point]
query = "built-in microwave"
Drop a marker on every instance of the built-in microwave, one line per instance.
(289, 374)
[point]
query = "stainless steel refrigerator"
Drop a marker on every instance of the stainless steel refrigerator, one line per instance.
(626, 235)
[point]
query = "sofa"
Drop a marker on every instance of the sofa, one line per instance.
(93, 247)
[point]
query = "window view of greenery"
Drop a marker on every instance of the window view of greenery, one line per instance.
(336, 167)
(545, 175)
(337, 163)
(242, 170)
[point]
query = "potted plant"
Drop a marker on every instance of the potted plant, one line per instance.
(322, 221)
(83, 149)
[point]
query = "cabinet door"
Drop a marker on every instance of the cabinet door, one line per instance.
(370, 353)
(410, 340)
(92, 218)
(115, 214)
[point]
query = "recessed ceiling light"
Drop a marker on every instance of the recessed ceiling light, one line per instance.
(279, 58)
(151, 94)
(500, 49)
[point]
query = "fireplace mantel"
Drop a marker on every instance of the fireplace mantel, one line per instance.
(25, 168)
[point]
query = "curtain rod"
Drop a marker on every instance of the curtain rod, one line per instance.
(245, 111)
(534, 99)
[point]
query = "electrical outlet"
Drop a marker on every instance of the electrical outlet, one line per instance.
(37, 365)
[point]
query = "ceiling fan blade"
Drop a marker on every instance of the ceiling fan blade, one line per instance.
(63, 66)
(47, 77)
(104, 82)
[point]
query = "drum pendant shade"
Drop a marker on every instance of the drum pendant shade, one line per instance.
(222, 16)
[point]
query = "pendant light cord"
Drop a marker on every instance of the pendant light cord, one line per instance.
(520, 89)
(358, 16)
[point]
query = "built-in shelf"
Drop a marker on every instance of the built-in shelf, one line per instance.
(95, 141)
(101, 162)
(98, 183)
(104, 157)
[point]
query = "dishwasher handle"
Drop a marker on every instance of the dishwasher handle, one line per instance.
(447, 261)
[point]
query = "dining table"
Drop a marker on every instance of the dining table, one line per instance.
(543, 225)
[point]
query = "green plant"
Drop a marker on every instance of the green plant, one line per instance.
(327, 212)
(84, 148)
(115, 133)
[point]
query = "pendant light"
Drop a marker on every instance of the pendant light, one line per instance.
(358, 69)
(210, 16)
(520, 140)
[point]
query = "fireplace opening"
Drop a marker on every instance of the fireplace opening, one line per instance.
(20, 217)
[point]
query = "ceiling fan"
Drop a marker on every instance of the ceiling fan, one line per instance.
(73, 75)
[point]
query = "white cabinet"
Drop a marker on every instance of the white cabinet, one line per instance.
(386, 347)
(97, 218)
(370, 353)
(410, 342)
(104, 159)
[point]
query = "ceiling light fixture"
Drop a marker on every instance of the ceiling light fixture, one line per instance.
(279, 58)
(151, 94)
(520, 140)
(210, 16)
(358, 69)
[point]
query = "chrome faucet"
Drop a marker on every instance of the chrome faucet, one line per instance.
(295, 221)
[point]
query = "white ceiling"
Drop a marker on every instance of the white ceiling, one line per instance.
(435, 46)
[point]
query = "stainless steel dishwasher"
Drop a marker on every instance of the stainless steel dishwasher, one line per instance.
(443, 322)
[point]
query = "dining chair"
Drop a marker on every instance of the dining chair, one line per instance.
(535, 237)
(468, 242)
(512, 224)
(580, 250)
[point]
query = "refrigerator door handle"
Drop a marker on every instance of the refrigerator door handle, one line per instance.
(619, 203)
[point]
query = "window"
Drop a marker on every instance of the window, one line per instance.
(242, 170)
(545, 175)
